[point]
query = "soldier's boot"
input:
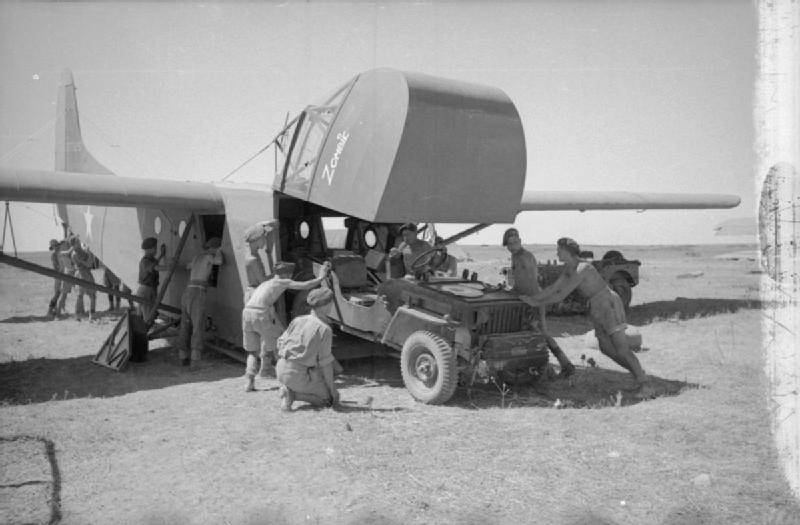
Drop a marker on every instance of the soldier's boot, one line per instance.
(250, 383)
(80, 310)
(51, 309)
(267, 368)
(287, 398)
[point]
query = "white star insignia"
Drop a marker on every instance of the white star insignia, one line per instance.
(87, 215)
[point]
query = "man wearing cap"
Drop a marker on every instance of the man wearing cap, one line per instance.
(258, 237)
(193, 302)
(149, 266)
(64, 250)
(261, 325)
(525, 275)
(605, 309)
(305, 367)
(410, 248)
(443, 264)
(83, 261)
(51, 310)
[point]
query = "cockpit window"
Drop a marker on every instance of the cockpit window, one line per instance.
(305, 143)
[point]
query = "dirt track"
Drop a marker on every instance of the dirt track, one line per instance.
(157, 444)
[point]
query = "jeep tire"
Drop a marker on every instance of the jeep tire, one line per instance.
(428, 367)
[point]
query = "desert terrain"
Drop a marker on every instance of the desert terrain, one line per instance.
(158, 444)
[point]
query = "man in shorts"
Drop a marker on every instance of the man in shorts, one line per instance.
(305, 367)
(261, 325)
(605, 309)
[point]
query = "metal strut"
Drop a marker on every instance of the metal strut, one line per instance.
(31, 267)
(7, 222)
(152, 316)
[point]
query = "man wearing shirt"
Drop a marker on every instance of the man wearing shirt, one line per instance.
(193, 301)
(443, 264)
(83, 261)
(305, 367)
(410, 248)
(56, 282)
(149, 266)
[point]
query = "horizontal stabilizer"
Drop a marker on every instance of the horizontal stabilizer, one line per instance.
(622, 200)
(101, 190)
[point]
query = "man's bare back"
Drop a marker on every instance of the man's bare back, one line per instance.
(591, 282)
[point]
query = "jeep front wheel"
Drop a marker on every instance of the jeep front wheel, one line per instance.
(428, 366)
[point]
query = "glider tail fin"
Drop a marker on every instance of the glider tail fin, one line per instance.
(71, 153)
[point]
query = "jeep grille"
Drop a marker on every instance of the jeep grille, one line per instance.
(505, 319)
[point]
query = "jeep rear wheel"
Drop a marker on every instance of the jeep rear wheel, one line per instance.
(428, 366)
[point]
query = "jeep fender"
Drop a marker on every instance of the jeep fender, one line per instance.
(407, 320)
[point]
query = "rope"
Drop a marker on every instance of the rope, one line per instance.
(243, 164)
(28, 139)
(7, 222)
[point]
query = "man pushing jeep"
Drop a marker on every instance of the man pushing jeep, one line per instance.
(605, 309)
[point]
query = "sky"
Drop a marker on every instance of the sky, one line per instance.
(628, 96)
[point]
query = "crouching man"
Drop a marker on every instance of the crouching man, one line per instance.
(305, 367)
(261, 325)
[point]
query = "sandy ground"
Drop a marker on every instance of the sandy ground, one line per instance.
(158, 444)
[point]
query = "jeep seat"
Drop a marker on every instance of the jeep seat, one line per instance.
(351, 269)
(354, 283)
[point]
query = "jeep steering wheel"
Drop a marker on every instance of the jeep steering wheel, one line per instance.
(422, 261)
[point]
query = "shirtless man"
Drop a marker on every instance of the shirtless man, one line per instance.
(261, 325)
(257, 237)
(526, 282)
(605, 309)
(193, 301)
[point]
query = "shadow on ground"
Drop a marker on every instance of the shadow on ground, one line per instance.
(114, 315)
(589, 387)
(39, 380)
(685, 308)
(647, 313)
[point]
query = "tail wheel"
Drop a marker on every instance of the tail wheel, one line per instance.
(428, 366)
(619, 283)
